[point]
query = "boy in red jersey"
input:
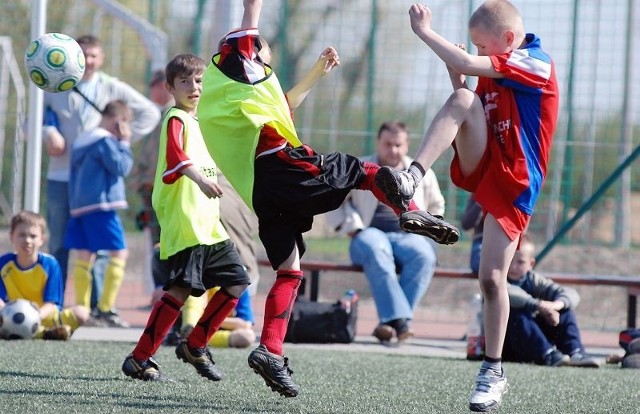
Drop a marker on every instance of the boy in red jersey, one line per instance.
(501, 134)
(246, 120)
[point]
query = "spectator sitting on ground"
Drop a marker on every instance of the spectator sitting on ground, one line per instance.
(29, 274)
(542, 324)
(398, 265)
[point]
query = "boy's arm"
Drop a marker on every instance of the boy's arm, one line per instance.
(209, 187)
(251, 14)
(328, 60)
(455, 58)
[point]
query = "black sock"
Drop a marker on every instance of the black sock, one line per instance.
(417, 171)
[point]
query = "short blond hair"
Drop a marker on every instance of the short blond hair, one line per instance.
(497, 16)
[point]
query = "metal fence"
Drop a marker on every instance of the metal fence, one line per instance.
(388, 73)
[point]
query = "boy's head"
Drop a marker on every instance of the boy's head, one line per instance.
(184, 79)
(93, 54)
(496, 28)
(116, 117)
(523, 260)
(28, 232)
(182, 66)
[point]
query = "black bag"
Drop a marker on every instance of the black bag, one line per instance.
(317, 322)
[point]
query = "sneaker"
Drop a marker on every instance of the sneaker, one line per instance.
(275, 371)
(148, 370)
(57, 333)
(109, 319)
(398, 186)
(383, 332)
(555, 358)
(427, 224)
(201, 359)
(578, 359)
(487, 395)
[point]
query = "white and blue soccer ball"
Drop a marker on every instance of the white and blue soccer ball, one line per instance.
(54, 62)
(19, 319)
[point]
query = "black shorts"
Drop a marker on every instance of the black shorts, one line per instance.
(203, 267)
(291, 187)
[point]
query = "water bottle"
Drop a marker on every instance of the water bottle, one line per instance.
(475, 334)
(347, 301)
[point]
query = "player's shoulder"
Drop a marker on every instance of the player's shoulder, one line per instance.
(47, 260)
(6, 258)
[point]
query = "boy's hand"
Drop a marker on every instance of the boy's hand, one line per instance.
(328, 60)
(420, 17)
(54, 143)
(209, 187)
(123, 131)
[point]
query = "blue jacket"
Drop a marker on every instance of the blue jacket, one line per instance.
(99, 163)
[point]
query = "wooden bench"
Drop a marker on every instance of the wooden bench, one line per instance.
(631, 283)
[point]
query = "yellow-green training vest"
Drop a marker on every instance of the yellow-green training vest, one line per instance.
(231, 116)
(186, 215)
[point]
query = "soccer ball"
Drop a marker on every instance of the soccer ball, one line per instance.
(19, 319)
(54, 62)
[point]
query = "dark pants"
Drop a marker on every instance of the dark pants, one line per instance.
(529, 337)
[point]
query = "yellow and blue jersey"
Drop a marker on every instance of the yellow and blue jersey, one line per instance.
(39, 283)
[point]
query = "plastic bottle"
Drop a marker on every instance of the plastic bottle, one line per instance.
(347, 301)
(475, 334)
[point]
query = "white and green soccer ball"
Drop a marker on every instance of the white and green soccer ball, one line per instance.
(19, 319)
(54, 62)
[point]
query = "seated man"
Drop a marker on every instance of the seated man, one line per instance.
(542, 324)
(398, 265)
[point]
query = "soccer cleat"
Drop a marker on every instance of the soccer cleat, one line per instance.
(398, 186)
(384, 333)
(57, 333)
(429, 225)
(201, 359)
(148, 370)
(275, 371)
(487, 395)
(578, 359)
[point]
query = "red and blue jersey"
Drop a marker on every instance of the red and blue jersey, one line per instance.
(522, 113)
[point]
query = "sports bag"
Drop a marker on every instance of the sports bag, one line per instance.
(318, 322)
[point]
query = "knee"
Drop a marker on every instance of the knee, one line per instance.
(242, 338)
(81, 313)
(492, 284)
(462, 98)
